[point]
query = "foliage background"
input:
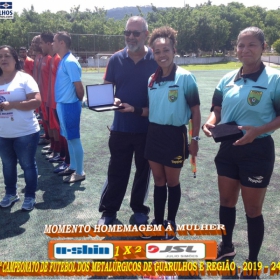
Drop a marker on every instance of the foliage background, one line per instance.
(205, 27)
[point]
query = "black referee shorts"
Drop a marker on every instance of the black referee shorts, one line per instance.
(167, 145)
(252, 164)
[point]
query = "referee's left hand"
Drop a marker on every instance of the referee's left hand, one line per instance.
(193, 148)
(249, 136)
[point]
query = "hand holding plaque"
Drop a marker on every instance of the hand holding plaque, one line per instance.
(226, 131)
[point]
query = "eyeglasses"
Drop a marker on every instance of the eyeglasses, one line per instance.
(135, 33)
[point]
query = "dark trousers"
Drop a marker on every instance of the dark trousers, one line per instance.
(122, 147)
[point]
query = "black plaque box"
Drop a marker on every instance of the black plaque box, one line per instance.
(226, 131)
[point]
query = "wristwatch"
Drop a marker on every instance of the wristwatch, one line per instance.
(196, 138)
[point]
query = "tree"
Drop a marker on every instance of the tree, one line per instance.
(211, 32)
(206, 26)
(272, 26)
(276, 46)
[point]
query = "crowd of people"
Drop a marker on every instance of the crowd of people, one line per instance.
(158, 100)
(249, 96)
(47, 88)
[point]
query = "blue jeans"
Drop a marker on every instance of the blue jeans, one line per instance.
(22, 149)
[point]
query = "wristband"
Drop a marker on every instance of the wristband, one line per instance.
(138, 111)
(196, 138)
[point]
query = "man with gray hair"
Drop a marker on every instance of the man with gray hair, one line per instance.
(129, 71)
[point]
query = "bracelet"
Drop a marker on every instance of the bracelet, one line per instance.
(138, 111)
(196, 138)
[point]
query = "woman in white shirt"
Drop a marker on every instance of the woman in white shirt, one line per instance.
(19, 128)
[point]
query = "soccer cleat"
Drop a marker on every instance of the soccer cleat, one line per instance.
(56, 159)
(169, 235)
(152, 237)
(8, 200)
(61, 167)
(51, 155)
(66, 172)
(225, 251)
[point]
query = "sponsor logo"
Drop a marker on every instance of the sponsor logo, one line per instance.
(6, 10)
(175, 250)
(6, 5)
(256, 179)
(177, 160)
(178, 157)
(172, 95)
(83, 250)
(254, 97)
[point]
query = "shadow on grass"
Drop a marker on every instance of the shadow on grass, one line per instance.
(57, 197)
(56, 193)
(11, 222)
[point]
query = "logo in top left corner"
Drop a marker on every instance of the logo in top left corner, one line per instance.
(6, 10)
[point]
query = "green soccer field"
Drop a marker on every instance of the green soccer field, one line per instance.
(21, 233)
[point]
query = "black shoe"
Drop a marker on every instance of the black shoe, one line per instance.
(153, 237)
(231, 274)
(148, 210)
(243, 276)
(61, 167)
(106, 220)
(51, 155)
(140, 218)
(56, 159)
(66, 172)
(169, 235)
(224, 252)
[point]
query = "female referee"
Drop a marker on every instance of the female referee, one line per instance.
(173, 99)
(250, 96)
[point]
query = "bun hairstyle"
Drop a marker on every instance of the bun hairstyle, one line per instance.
(164, 32)
(257, 32)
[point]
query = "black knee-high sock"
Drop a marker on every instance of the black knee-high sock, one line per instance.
(227, 218)
(160, 196)
(174, 197)
(255, 227)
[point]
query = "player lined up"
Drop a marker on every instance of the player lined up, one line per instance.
(53, 107)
